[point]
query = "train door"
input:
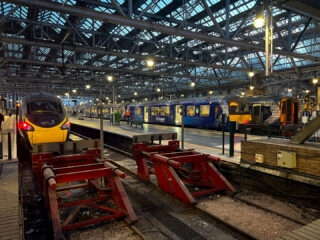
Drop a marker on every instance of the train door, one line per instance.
(289, 111)
(256, 113)
(146, 114)
(178, 116)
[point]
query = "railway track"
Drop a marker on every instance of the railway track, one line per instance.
(118, 153)
(163, 217)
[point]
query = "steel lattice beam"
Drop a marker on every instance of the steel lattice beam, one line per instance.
(147, 25)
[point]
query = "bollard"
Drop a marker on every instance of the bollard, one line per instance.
(223, 125)
(231, 141)
(269, 131)
(245, 132)
(9, 146)
(182, 127)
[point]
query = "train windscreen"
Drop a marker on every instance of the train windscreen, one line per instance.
(45, 113)
(44, 107)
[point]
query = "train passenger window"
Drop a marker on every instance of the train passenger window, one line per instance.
(191, 111)
(137, 111)
(42, 106)
(154, 111)
(216, 112)
(244, 108)
(267, 110)
(204, 110)
(165, 111)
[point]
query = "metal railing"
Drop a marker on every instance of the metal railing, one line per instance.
(270, 130)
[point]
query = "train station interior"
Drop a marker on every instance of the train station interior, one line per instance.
(159, 119)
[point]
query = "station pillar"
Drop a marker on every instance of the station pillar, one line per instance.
(231, 141)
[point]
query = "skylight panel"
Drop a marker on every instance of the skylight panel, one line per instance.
(53, 18)
(66, 2)
(122, 30)
(42, 51)
(103, 9)
(21, 12)
(196, 9)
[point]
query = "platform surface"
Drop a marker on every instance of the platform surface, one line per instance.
(310, 231)
(10, 213)
(286, 142)
(202, 140)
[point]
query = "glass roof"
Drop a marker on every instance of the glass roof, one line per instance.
(51, 26)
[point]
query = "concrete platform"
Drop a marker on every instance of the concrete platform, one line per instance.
(202, 140)
(10, 210)
(307, 157)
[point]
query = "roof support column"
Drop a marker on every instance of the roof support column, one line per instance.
(227, 29)
(289, 30)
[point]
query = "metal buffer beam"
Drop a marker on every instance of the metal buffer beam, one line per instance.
(176, 169)
(80, 171)
(147, 25)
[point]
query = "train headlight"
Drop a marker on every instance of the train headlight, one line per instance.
(25, 126)
(66, 125)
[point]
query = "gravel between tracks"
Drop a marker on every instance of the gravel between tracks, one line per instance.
(258, 223)
(111, 231)
(288, 209)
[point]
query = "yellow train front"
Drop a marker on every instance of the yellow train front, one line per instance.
(43, 119)
(239, 111)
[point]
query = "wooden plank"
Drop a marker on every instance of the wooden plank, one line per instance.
(288, 238)
(312, 225)
(315, 235)
(303, 234)
(295, 236)
(67, 146)
(311, 229)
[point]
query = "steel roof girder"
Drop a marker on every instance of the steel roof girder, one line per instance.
(114, 19)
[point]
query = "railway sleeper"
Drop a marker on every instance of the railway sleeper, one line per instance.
(184, 174)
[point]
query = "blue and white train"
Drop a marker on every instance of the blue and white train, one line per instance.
(208, 112)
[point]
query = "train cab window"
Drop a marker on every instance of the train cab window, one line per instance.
(154, 111)
(204, 110)
(44, 107)
(233, 108)
(191, 110)
(137, 111)
(165, 111)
